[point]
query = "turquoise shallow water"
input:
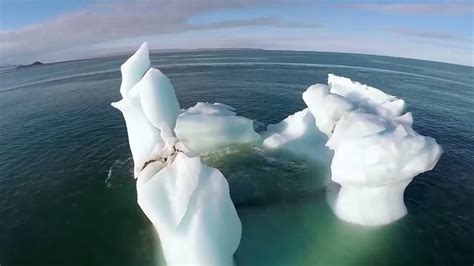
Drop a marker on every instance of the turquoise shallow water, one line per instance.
(67, 196)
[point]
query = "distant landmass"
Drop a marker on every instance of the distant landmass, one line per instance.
(103, 53)
(129, 50)
(37, 63)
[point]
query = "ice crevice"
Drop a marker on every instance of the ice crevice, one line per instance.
(361, 133)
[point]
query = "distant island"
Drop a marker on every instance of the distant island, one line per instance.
(37, 63)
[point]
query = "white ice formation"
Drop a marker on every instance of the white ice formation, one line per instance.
(297, 135)
(188, 202)
(148, 102)
(206, 127)
(376, 151)
(361, 132)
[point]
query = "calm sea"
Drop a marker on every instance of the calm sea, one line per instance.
(67, 196)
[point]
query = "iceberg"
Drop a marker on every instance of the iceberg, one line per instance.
(206, 127)
(363, 135)
(367, 139)
(148, 101)
(188, 202)
(376, 151)
(295, 134)
(189, 205)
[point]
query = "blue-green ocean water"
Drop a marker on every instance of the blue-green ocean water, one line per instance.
(67, 196)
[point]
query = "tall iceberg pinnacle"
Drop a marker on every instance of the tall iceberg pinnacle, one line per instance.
(150, 103)
(188, 202)
(376, 151)
(134, 69)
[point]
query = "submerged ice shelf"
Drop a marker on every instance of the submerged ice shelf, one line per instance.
(361, 133)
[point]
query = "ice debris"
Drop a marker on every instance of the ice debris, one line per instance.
(297, 135)
(206, 127)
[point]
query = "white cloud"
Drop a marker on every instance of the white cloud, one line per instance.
(166, 24)
(112, 21)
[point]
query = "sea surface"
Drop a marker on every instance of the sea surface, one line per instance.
(67, 196)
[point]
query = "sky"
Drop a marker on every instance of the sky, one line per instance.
(57, 30)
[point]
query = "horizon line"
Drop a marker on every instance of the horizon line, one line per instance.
(131, 51)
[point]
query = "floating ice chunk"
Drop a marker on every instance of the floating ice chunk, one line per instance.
(376, 152)
(191, 209)
(134, 69)
(297, 134)
(291, 128)
(210, 109)
(205, 127)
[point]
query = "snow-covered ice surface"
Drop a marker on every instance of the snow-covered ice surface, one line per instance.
(188, 202)
(376, 151)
